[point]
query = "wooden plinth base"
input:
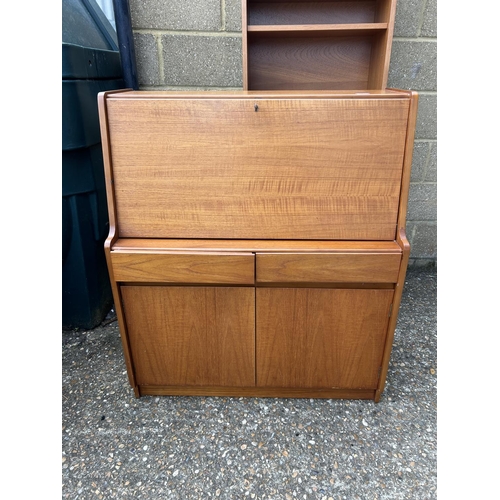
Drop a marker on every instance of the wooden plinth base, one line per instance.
(260, 392)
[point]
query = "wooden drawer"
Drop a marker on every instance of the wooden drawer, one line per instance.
(327, 267)
(184, 267)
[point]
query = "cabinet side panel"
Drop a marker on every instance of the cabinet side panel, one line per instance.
(258, 169)
(244, 42)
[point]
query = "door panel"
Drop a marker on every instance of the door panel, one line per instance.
(321, 338)
(191, 335)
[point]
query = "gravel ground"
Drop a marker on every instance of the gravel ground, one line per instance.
(117, 446)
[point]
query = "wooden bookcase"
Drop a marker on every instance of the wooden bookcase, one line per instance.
(257, 239)
(312, 45)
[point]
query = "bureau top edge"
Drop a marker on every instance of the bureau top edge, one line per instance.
(256, 94)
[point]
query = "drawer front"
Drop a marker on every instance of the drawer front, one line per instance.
(203, 268)
(327, 267)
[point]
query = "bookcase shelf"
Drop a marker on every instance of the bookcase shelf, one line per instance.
(315, 12)
(296, 30)
(317, 45)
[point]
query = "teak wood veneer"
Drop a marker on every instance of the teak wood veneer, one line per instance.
(311, 45)
(257, 238)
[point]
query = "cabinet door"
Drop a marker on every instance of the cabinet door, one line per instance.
(321, 338)
(188, 336)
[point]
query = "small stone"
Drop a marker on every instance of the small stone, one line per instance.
(176, 472)
(243, 446)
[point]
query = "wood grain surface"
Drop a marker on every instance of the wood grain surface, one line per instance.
(181, 267)
(327, 267)
(321, 338)
(317, 44)
(303, 12)
(293, 169)
(191, 335)
(308, 62)
(302, 195)
(259, 392)
(137, 95)
(294, 246)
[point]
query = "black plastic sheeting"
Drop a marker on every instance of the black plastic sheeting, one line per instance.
(91, 64)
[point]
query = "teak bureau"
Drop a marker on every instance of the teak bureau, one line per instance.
(257, 238)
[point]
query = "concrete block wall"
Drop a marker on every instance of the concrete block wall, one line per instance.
(196, 45)
(414, 66)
